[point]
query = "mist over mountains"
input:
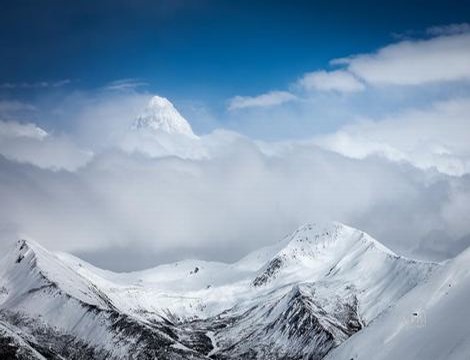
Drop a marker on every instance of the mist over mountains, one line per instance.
(135, 200)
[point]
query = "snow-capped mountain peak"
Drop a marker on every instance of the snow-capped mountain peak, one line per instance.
(333, 234)
(319, 247)
(26, 253)
(161, 131)
(161, 116)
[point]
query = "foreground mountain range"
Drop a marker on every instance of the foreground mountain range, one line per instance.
(324, 291)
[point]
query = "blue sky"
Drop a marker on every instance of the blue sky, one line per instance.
(202, 52)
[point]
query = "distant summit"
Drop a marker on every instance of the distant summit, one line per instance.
(161, 116)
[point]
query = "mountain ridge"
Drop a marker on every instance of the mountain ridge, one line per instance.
(330, 280)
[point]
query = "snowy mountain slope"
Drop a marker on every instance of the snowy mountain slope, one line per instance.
(37, 269)
(299, 298)
(14, 346)
(333, 252)
(430, 322)
(317, 287)
(51, 303)
(287, 323)
(336, 253)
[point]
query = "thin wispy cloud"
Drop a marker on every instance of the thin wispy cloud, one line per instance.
(15, 110)
(125, 85)
(27, 143)
(339, 80)
(35, 85)
(11, 106)
(449, 29)
(13, 129)
(269, 99)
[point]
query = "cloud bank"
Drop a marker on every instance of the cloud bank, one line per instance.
(96, 188)
(241, 194)
(434, 137)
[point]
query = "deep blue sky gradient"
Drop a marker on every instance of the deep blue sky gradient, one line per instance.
(199, 49)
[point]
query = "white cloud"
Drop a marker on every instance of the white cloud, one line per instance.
(125, 85)
(165, 204)
(12, 129)
(442, 58)
(435, 137)
(158, 204)
(99, 119)
(13, 106)
(35, 85)
(399, 74)
(271, 98)
(28, 143)
(414, 62)
(448, 29)
(457, 207)
(338, 80)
